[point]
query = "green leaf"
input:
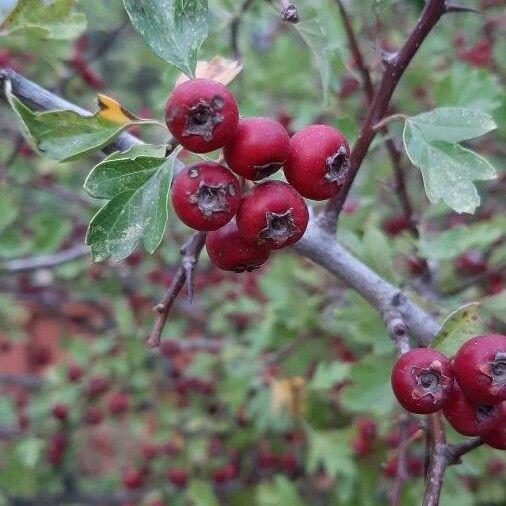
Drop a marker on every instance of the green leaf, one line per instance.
(327, 374)
(461, 325)
(451, 243)
(45, 20)
(9, 206)
(370, 390)
(121, 172)
(494, 305)
(200, 493)
(448, 169)
(330, 450)
(138, 210)
(453, 124)
(29, 451)
(281, 492)
(378, 253)
(173, 29)
(313, 35)
(470, 88)
(65, 135)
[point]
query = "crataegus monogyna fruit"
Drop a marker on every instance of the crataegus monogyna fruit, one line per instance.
(422, 380)
(230, 252)
(205, 196)
(202, 115)
(480, 369)
(258, 149)
(468, 418)
(496, 438)
(272, 214)
(319, 162)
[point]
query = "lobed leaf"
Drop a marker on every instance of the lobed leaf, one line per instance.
(173, 29)
(138, 208)
(43, 20)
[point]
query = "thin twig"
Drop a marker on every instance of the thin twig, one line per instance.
(330, 221)
(395, 67)
(401, 472)
(235, 26)
(190, 254)
(45, 261)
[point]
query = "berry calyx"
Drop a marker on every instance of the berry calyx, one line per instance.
(205, 196)
(422, 380)
(230, 252)
(202, 115)
(272, 214)
(480, 369)
(468, 418)
(496, 437)
(319, 162)
(258, 149)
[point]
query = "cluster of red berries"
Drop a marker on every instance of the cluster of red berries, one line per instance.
(471, 390)
(244, 228)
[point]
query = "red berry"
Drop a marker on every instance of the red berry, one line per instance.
(150, 451)
(395, 225)
(177, 477)
(170, 348)
(133, 479)
(287, 463)
(468, 418)
(259, 148)
(480, 369)
(266, 459)
(97, 386)
(471, 263)
(272, 214)
(74, 373)
(230, 252)
(422, 380)
(93, 416)
(119, 403)
(202, 115)
(60, 412)
(318, 164)
(205, 196)
(496, 437)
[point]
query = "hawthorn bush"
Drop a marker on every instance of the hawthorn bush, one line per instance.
(331, 332)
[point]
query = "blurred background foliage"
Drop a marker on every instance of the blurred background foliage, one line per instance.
(272, 388)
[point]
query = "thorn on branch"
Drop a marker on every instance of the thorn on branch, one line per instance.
(190, 252)
(459, 8)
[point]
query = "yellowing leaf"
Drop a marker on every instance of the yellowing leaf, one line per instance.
(113, 111)
(218, 69)
(288, 394)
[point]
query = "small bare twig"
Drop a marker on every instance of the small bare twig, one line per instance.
(190, 254)
(395, 67)
(394, 321)
(442, 455)
(401, 472)
(45, 261)
(235, 26)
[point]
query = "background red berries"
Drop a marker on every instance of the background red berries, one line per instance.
(202, 115)
(272, 214)
(259, 148)
(422, 380)
(480, 369)
(205, 196)
(318, 164)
